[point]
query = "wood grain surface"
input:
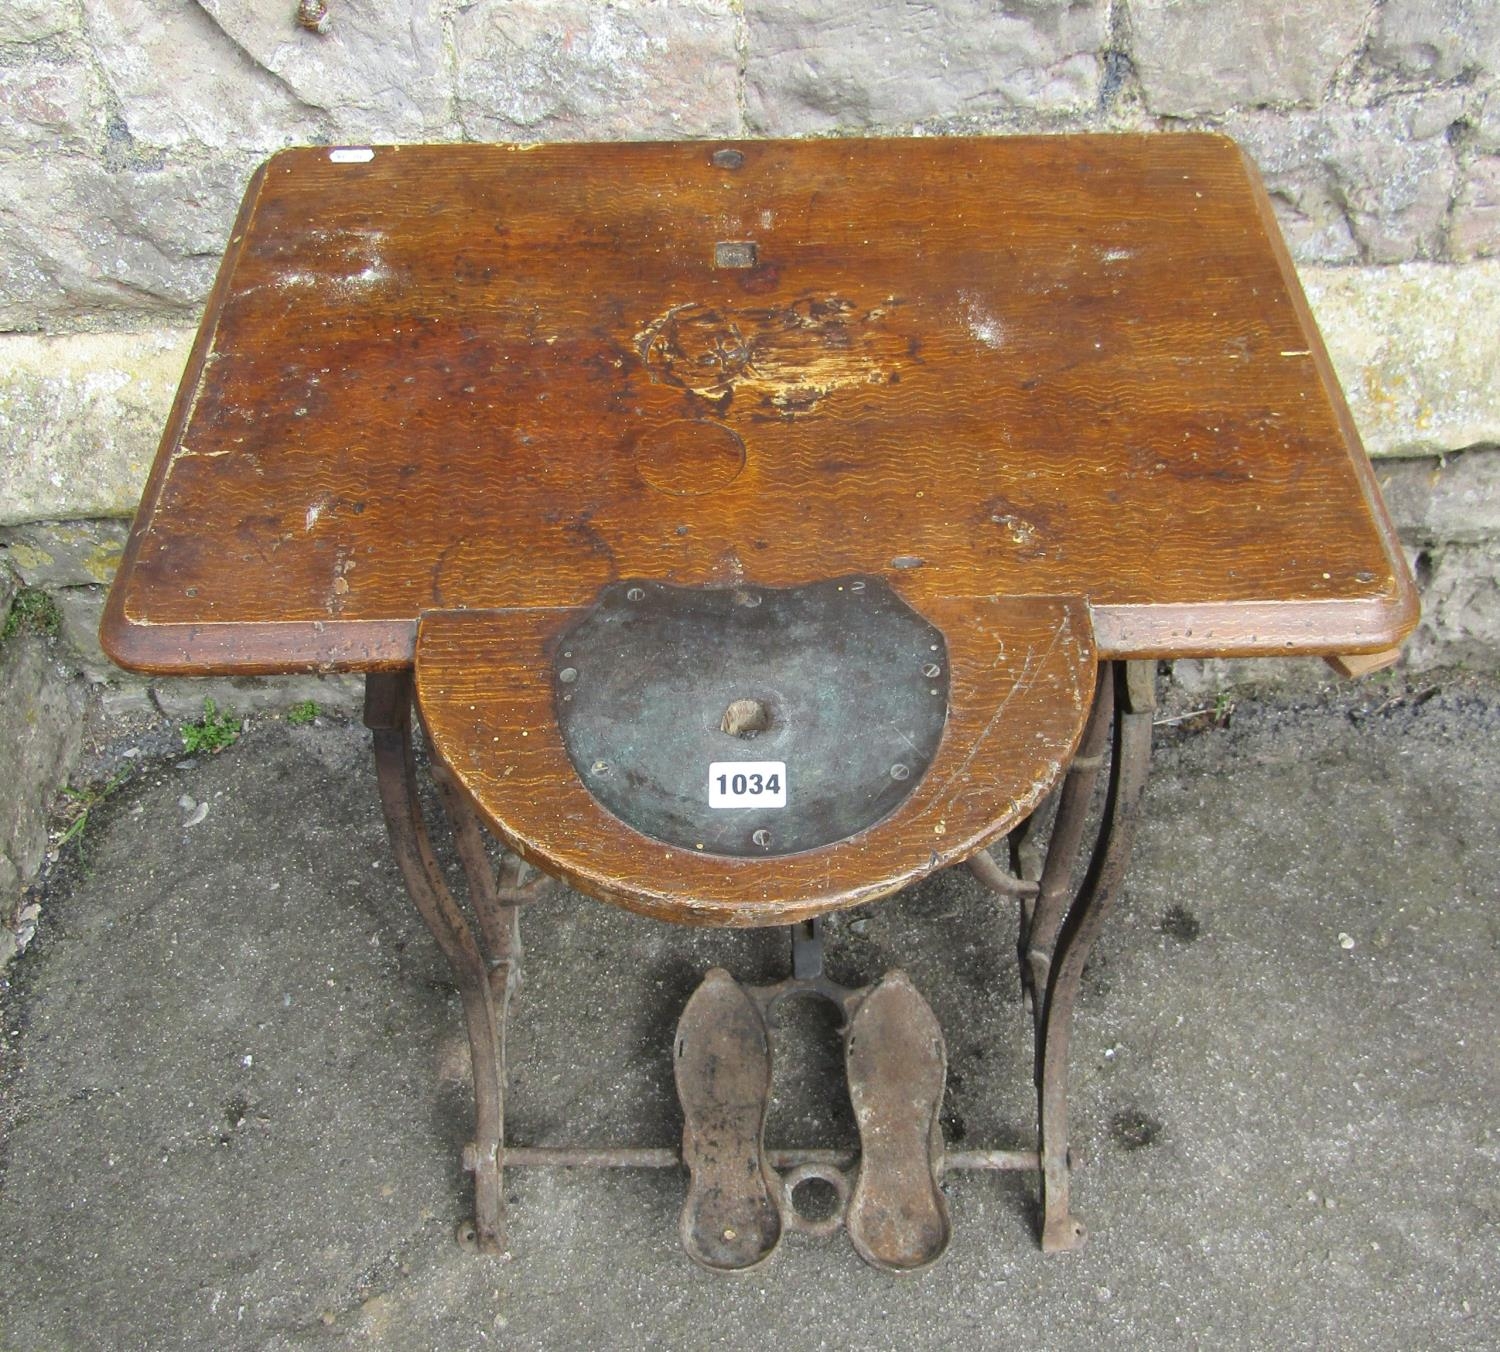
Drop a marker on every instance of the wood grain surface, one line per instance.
(1022, 674)
(493, 378)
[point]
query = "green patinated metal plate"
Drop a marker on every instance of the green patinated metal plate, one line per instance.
(749, 720)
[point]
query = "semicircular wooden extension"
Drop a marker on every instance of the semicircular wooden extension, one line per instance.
(1021, 679)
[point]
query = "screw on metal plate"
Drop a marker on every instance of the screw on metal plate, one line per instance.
(931, 670)
(570, 674)
(635, 594)
(899, 771)
(761, 838)
(599, 768)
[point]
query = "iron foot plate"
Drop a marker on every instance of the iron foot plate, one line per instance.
(731, 1220)
(897, 1066)
(890, 1201)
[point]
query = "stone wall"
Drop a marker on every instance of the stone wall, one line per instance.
(128, 129)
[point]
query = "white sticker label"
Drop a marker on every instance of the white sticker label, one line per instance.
(747, 784)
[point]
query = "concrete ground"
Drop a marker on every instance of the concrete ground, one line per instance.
(232, 1112)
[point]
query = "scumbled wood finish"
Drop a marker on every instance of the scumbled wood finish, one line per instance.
(1021, 683)
(1063, 393)
(494, 378)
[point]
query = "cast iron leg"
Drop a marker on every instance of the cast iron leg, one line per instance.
(1056, 887)
(1059, 945)
(486, 975)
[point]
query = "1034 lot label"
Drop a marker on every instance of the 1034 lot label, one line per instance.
(747, 784)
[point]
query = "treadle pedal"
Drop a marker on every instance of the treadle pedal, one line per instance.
(731, 1220)
(897, 1066)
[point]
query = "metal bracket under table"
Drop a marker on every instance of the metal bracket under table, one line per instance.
(885, 1024)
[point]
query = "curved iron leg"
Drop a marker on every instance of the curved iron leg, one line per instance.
(499, 919)
(1134, 690)
(484, 983)
(1045, 922)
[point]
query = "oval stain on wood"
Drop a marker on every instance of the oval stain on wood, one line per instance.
(686, 458)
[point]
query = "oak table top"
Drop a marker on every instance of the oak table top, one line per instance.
(1062, 395)
(490, 377)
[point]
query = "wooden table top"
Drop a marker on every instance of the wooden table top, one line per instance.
(445, 378)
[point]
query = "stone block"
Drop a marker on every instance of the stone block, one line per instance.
(81, 609)
(184, 210)
(46, 102)
(42, 712)
(1460, 609)
(533, 70)
(55, 554)
(378, 73)
(38, 20)
(1444, 500)
(1358, 184)
(83, 239)
(181, 699)
(1197, 681)
(123, 698)
(1475, 228)
(815, 67)
(1437, 39)
(1197, 57)
(1485, 125)
(179, 80)
(80, 418)
(1403, 341)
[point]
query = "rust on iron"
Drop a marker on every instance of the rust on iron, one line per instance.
(1057, 951)
(783, 1160)
(442, 398)
(897, 1064)
(485, 964)
(889, 1197)
(721, 1060)
(741, 1194)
